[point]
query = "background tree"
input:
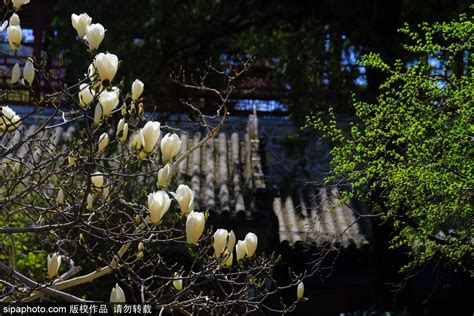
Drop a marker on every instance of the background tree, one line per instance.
(409, 154)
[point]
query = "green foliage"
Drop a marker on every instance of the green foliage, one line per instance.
(410, 154)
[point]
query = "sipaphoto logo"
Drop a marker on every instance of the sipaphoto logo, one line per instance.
(24, 309)
(32, 309)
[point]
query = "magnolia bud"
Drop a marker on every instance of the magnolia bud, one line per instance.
(123, 111)
(122, 131)
(163, 175)
(90, 201)
(149, 135)
(60, 197)
(170, 145)
(14, 19)
(97, 180)
(97, 114)
(71, 159)
(158, 204)
(106, 194)
(178, 282)
(80, 23)
(140, 246)
(185, 197)
(16, 72)
(3, 26)
(140, 255)
(240, 250)
(54, 262)
(93, 76)
(109, 101)
(137, 89)
(142, 155)
(251, 241)
(103, 141)
(15, 167)
(229, 257)
(300, 290)
(94, 35)
(117, 295)
(82, 241)
(141, 110)
(14, 36)
(106, 65)
(136, 140)
(194, 227)
(18, 3)
(132, 108)
(29, 72)
(86, 95)
(220, 241)
(231, 242)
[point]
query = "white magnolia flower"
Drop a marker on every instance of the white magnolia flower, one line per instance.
(80, 23)
(60, 197)
(106, 194)
(122, 130)
(106, 66)
(178, 282)
(220, 241)
(93, 76)
(3, 26)
(240, 249)
(149, 135)
(18, 3)
(137, 89)
(54, 262)
(194, 227)
(14, 36)
(86, 95)
(163, 176)
(97, 180)
(109, 101)
(90, 201)
(185, 197)
(136, 140)
(9, 120)
(14, 19)
(170, 146)
(94, 35)
(231, 242)
(300, 290)
(158, 204)
(29, 72)
(71, 159)
(103, 141)
(251, 241)
(117, 295)
(97, 113)
(16, 73)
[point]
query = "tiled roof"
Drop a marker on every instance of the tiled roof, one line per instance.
(225, 171)
(317, 215)
(227, 174)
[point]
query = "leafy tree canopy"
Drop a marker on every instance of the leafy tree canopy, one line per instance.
(410, 153)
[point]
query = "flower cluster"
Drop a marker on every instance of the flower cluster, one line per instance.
(99, 89)
(110, 197)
